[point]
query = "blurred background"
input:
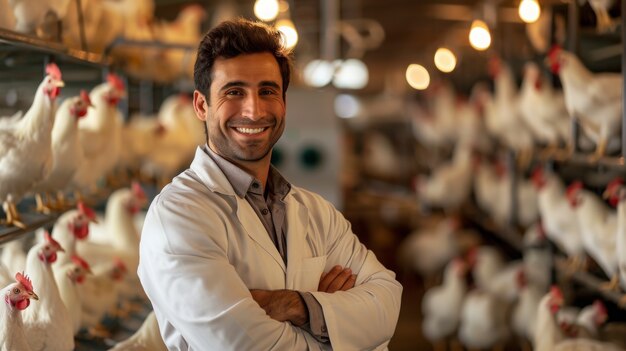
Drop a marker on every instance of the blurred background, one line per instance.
(475, 146)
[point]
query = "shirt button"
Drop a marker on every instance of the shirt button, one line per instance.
(255, 185)
(264, 211)
(324, 329)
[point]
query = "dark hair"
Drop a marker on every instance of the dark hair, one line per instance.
(233, 38)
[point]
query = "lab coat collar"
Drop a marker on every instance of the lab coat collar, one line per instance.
(214, 179)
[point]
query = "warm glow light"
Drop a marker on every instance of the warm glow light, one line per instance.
(288, 30)
(479, 36)
(347, 106)
(266, 10)
(351, 74)
(318, 73)
(417, 76)
(529, 10)
(445, 60)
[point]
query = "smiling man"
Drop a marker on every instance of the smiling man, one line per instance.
(233, 256)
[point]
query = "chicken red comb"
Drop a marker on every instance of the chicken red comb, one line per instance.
(53, 70)
(555, 291)
(24, 280)
(138, 190)
(615, 183)
(600, 307)
(50, 239)
(115, 81)
(86, 210)
(573, 189)
(80, 262)
(85, 97)
(553, 58)
(120, 264)
(554, 51)
(537, 175)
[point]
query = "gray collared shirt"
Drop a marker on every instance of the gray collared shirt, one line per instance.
(269, 206)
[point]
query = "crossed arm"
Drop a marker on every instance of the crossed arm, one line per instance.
(288, 305)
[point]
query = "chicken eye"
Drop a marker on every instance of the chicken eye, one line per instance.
(16, 291)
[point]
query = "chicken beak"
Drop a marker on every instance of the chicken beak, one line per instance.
(93, 220)
(33, 296)
(61, 249)
(606, 194)
(59, 84)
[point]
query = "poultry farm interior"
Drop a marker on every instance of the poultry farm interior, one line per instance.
(496, 194)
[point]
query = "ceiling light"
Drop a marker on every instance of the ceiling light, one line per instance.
(351, 74)
(318, 73)
(479, 36)
(445, 60)
(417, 76)
(347, 106)
(266, 10)
(529, 10)
(288, 31)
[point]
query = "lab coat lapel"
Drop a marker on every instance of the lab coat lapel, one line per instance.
(297, 224)
(255, 229)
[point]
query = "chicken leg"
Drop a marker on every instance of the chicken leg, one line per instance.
(611, 285)
(43, 206)
(12, 216)
(600, 150)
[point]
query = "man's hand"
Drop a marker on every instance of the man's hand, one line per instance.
(336, 279)
(282, 305)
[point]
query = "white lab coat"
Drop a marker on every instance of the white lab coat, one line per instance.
(203, 248)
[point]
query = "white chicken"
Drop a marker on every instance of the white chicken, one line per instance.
(598, 228)
(524, 316)
(47, 323)
(29, 14)
(547, 331)
(502, 115)
(557, 214)
(448, 187)
(121, 208)
(486, 262)
(441, 305)
(25, 147)
(483, 321)
(616, 193)
(71, 226)
(486, 175)
(175, 146)
(67, 277)
(186, 30)
(67, 154)
(430, 249)
(100, 293)
(17, 298)
(594, 100)
(100, 133)
(147, 338)
(543, 108)
(537, 258)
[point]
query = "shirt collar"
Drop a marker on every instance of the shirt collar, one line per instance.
(242, 182)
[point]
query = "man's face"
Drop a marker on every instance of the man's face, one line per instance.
(245, 115)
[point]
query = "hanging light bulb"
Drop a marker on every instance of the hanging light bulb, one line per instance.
(529, 10)
(479, 36)
(445, 60)
(288, 30)
(318, 73)
(417, 76)
(351, 74)
(266, 10)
